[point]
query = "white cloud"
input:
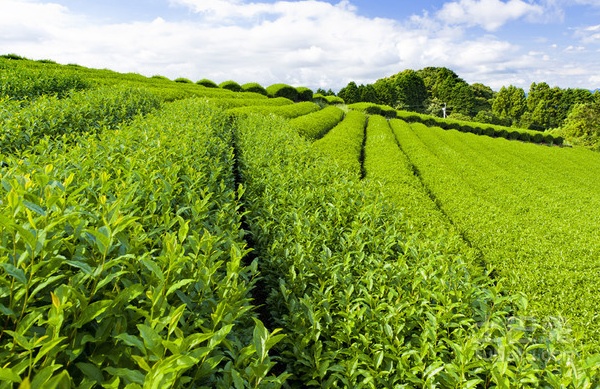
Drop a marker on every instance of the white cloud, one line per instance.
(589, 34)
(312, 43)
(488, 14)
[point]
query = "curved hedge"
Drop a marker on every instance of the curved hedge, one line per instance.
(283, 90)
(227, 103)
(476, 128)
(317, 124)
(374, 109)
(289, 111)
(24, 83)
(344, 142)
(84, 111)
(254, 87)
(334, 100)
(321, 99)
(231, 85)
(304, 93)
(207, 83)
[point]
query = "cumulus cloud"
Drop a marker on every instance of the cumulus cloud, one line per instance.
(589, 34)
(312, 43)
(488, 14)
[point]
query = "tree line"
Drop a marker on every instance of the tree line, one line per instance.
(574, 112)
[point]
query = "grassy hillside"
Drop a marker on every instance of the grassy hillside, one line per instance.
(159, 233)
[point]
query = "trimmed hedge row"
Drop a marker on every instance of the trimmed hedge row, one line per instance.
(282, 90)
(254, 87)
(227, 103)
(290, 92)
(481, 128)
(304, 93)
(231, 85)
(84, 111)
(289, 111)
(321, 99)
(317, 124)
(25, 83)
(207, 83)
(344, 142)
(375, 109)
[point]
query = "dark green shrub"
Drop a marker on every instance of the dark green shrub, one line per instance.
(231, 85)
(411, 118)
(559, 140)
(254, 87)
(514, 135)
(525, 137)
(448, 125)
(538, 137)
(466, 128)
(304, 93)
(489, 131)
(159, 77)
(334, 100)
(320, 99)
(548, 138)
(183, 80)
(390, 113)
(374, 110)
(282, 90)
(477, 130)
(501, 133)
(13, 56)
(207, 83)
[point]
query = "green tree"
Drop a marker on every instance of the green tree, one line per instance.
(582, 125)
(543, 107)
(411, 91)
(350, 93)
(510, 104)
(447, 87)
(324, 92)
(386, 92)
(484, 96)
(367, 93)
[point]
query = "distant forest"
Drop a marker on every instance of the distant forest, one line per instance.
(573, 112)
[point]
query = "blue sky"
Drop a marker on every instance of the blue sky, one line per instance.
(316, 43)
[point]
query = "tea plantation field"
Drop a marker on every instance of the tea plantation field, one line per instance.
(158, 233)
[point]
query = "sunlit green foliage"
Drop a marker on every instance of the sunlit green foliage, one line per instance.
(522, 205)
(226, 102)
(304, 93)
(121, 260)
(283, 90)
(344, 142)
(385, 254)
(490, 130)
(363, 308)
(207, 83)
(87, 111)
(285, 110)
(582, 126)
(315, 125)
(231, 85)
(374, 109)
(254, 87)
(20, 83)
